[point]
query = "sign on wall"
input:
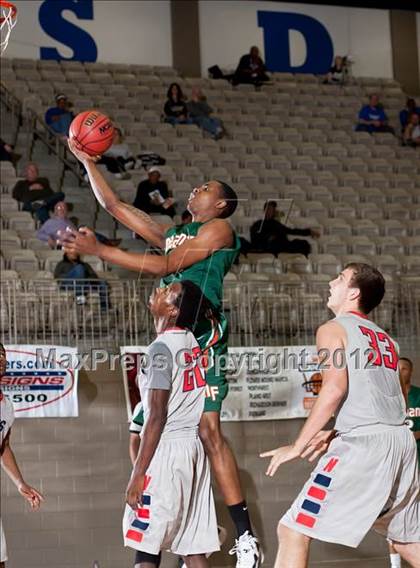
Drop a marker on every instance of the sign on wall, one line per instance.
(123, 31)
(39, 385)
(265, 383)
(296, 38)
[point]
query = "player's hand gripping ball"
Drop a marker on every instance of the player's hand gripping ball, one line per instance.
(92, 132)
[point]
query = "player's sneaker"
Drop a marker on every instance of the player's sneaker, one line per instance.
(248, 551)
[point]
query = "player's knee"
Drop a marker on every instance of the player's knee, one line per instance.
(285, 534)
(211, 437)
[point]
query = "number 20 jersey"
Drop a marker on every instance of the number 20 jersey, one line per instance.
(374, 394)
(186, 381)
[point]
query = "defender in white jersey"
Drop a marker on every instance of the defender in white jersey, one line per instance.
(170, 503)
(8, 460)
(368, 477)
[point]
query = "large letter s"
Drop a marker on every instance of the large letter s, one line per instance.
(83, 45)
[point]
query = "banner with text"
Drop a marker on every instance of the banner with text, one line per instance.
(40, 385)
(265, 383)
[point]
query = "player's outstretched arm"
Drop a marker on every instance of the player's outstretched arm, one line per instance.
(330, 342)
(212, 236)
(131, 217)
(10, 466)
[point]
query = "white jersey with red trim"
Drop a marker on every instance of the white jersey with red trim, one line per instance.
(174, 364)
(374, 394)
(7, 417)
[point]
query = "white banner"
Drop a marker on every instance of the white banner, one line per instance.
(265, 383)
(40, 385)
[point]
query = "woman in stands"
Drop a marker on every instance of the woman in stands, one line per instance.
(8, 460)
(175, 109)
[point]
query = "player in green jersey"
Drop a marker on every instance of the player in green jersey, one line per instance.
(203, 252)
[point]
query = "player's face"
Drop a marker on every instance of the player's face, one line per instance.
(204, 197)
(340, 289)
(162, 300)
(406, 371)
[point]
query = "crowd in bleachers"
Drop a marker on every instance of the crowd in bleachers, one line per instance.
(292, 140)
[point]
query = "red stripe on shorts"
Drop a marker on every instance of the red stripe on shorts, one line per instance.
(306, 520)
(317, 493)
(143, 513)
(331, 464)
(134, 535)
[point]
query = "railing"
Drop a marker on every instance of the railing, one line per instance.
(38, 131)
(94, 315)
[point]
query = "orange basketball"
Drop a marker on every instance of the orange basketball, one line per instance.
(93, 131)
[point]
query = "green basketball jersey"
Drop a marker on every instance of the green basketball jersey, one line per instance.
(208, 274)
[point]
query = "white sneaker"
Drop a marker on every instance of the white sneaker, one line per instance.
(248, 552)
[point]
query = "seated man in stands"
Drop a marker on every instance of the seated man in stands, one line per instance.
(153, 195)
(200, 112)
(251, 69)
(269, 235)
(59, 222)
(36, 194)
(411, 136)
(7, 153)
(79, 276)
(59, 118)
(372, 117)
(410, 108)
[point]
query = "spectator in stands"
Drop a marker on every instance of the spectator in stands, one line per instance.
(199, 110)
(175, 108)
(71, 270)
(337, 73)
(59, 117)
(186, 217)
(410, 108)
(51, 229)
(269, 235)
(119, 158)
(153, 195)
(36, 194)
(372, 117)
(7, 153)
(251, 69)
(411, 136)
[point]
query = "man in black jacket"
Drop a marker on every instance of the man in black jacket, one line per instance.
(251, 69)
(269, 235)
(153, 195)
(36, 194)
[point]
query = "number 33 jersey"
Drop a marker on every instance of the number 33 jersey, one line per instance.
(374, 394)
(7, 417)
(174, 364)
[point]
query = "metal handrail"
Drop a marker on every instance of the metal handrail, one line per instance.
(53, 312)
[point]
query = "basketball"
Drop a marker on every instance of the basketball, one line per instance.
(93, 131)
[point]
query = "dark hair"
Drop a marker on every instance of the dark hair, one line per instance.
(192, 304)
(180, 93)
(67, 259)
(269, 203)
(371, 284)
(229, 194)
(409, 361)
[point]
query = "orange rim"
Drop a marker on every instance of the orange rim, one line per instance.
(8, 6)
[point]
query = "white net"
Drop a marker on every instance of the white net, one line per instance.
(7, 23)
